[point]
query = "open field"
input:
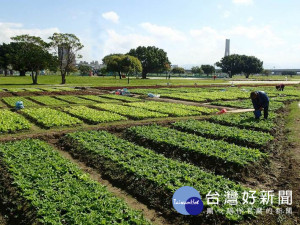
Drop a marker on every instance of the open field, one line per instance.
(91, 157)
(22, 82)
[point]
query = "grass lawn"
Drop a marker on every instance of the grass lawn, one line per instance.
(72, 80)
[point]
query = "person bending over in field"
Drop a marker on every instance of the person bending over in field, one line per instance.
(280, 87)
(260, 101)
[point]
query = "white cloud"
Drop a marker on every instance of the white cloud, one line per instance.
(261, 35)
(122, 43)
(250, 19)
(8, 30)
(198, 46)
(111, 16)
(163, 32)
(243, 2)
(226, 14)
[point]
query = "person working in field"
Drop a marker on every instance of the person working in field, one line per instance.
(280, 87)
(260, 101)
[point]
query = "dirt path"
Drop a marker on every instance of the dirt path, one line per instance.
(150, 214)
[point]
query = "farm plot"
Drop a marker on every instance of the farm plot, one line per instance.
(136, 113)
(75, 99)
(207, 96)
(171, 90)
(15, 89)
(122, 97)
(53, 190)
(245, 137)
(197, 149)
(50, 89)
(11, 101)
(93, 116)
(247, 104)
(200, 109)
(66, 89)
(99, 99)
(49, 118)
(32, 89)
(285, 98)
(150, 175)
(168, 108)
(47, 100)
(11, 122)
(246, 120)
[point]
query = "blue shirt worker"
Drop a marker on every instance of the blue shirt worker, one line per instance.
(260, 101)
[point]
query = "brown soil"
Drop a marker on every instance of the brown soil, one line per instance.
(6, 94)
(150, 214)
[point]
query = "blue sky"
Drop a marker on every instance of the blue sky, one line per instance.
(192, 32)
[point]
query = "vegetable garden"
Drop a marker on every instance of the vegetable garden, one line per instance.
(143, 147)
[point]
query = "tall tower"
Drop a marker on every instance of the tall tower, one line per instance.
(227, 47)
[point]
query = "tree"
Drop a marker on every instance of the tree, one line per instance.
(208, 69)
(17, 57)
(103, 71)
(84, 69)
(178, 70)
(266, 72)
(251, 65)
(120, 63)
(4, 57)
(33, 54)
(67, 47)
(152, 59)
(197, 70)
(237, 64)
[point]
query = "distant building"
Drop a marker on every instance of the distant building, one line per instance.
(227, 47)
(94, 64)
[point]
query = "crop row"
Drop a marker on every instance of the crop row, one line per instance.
(203, 110)
(11, 101)
(147, 174)
(11, 122)
(172, 90)
(54, 191)
(74, 99)
(285, 98)
(197, 149)
(48, 117)
(207, 96)
(47, 100)
(122, 97)
(233, 134)
(247, 104)
(164, 108)
(93, 116)
(172, 108)
(246, 120)
(136, 113)
(99, 99)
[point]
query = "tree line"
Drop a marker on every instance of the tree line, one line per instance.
(27, 53)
